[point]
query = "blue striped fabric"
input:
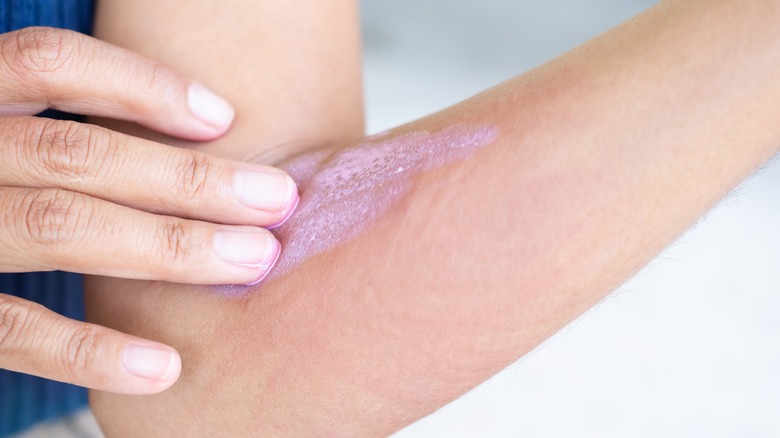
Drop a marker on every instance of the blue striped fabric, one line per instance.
(27, 400)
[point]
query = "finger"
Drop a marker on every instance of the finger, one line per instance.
(56, 68)
(37, 152)
(52, 229)
(37, 341)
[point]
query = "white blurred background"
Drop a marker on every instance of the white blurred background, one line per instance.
(690, 347)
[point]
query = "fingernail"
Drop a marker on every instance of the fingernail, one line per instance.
(269, 191)
(148, 362)
(265, 270)
(246, 248)
(208, 107)
(287, 214)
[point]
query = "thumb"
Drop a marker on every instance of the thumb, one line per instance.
(37, 341)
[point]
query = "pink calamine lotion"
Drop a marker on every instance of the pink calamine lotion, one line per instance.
(343, 193)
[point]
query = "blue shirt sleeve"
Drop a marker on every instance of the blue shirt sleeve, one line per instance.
(27, 400)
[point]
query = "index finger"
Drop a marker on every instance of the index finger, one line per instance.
(44, 68)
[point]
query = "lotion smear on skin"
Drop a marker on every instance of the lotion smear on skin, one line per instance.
(343, 193)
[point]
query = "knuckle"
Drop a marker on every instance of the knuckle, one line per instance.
(51, 217)
(67, 149)
(35, 50)
(174, 240)
(79, 349)
(154, 74)
(161, 78)
(193, 173)
(15, 316)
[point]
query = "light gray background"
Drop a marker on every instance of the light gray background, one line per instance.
(689, 348)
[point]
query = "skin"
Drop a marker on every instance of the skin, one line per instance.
(347, 190)
(82, 198)
(605, 155)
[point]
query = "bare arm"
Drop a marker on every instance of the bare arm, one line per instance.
(600, 159)
(291, 70)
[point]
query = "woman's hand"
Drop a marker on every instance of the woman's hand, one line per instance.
(82, 198)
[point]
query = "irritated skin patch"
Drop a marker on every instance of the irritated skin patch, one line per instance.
(343, 193)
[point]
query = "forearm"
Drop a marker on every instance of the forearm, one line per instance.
(602, 158)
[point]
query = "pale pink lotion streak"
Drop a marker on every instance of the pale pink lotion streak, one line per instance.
(343, 193)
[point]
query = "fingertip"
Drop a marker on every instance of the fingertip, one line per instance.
(151, 368)
(288, 211)
(265, 271)
(213, 113)
(266, 189)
